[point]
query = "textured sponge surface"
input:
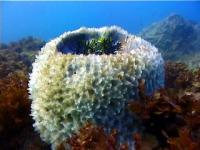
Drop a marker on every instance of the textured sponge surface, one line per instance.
(68, 90)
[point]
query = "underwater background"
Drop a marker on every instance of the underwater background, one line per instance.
(170, 117)
(46, 20)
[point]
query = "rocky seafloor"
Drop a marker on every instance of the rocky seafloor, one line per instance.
(170, 117)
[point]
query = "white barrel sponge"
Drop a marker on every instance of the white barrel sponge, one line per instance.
(73, 83)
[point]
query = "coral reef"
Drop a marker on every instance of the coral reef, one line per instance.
(69, 87)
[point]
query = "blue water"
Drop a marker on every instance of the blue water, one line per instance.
(46, 20)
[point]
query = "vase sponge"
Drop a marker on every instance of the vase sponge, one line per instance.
(70, 85)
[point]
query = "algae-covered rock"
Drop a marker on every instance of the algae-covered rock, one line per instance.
(89, 75)
(177, 38)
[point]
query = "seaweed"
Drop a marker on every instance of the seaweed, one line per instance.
(14, 103)
(10, 62)
(170, 109)
(16, 129)
(183, 141)
(19, 55)
(177, 75)
(92, 137)
(101, 45)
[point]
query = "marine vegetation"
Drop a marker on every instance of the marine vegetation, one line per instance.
(172, 115)
(69, 89)
(93, 137)
(16, 130)
(10, 62)
(102, 45)
(13, 99)
(19, 55)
